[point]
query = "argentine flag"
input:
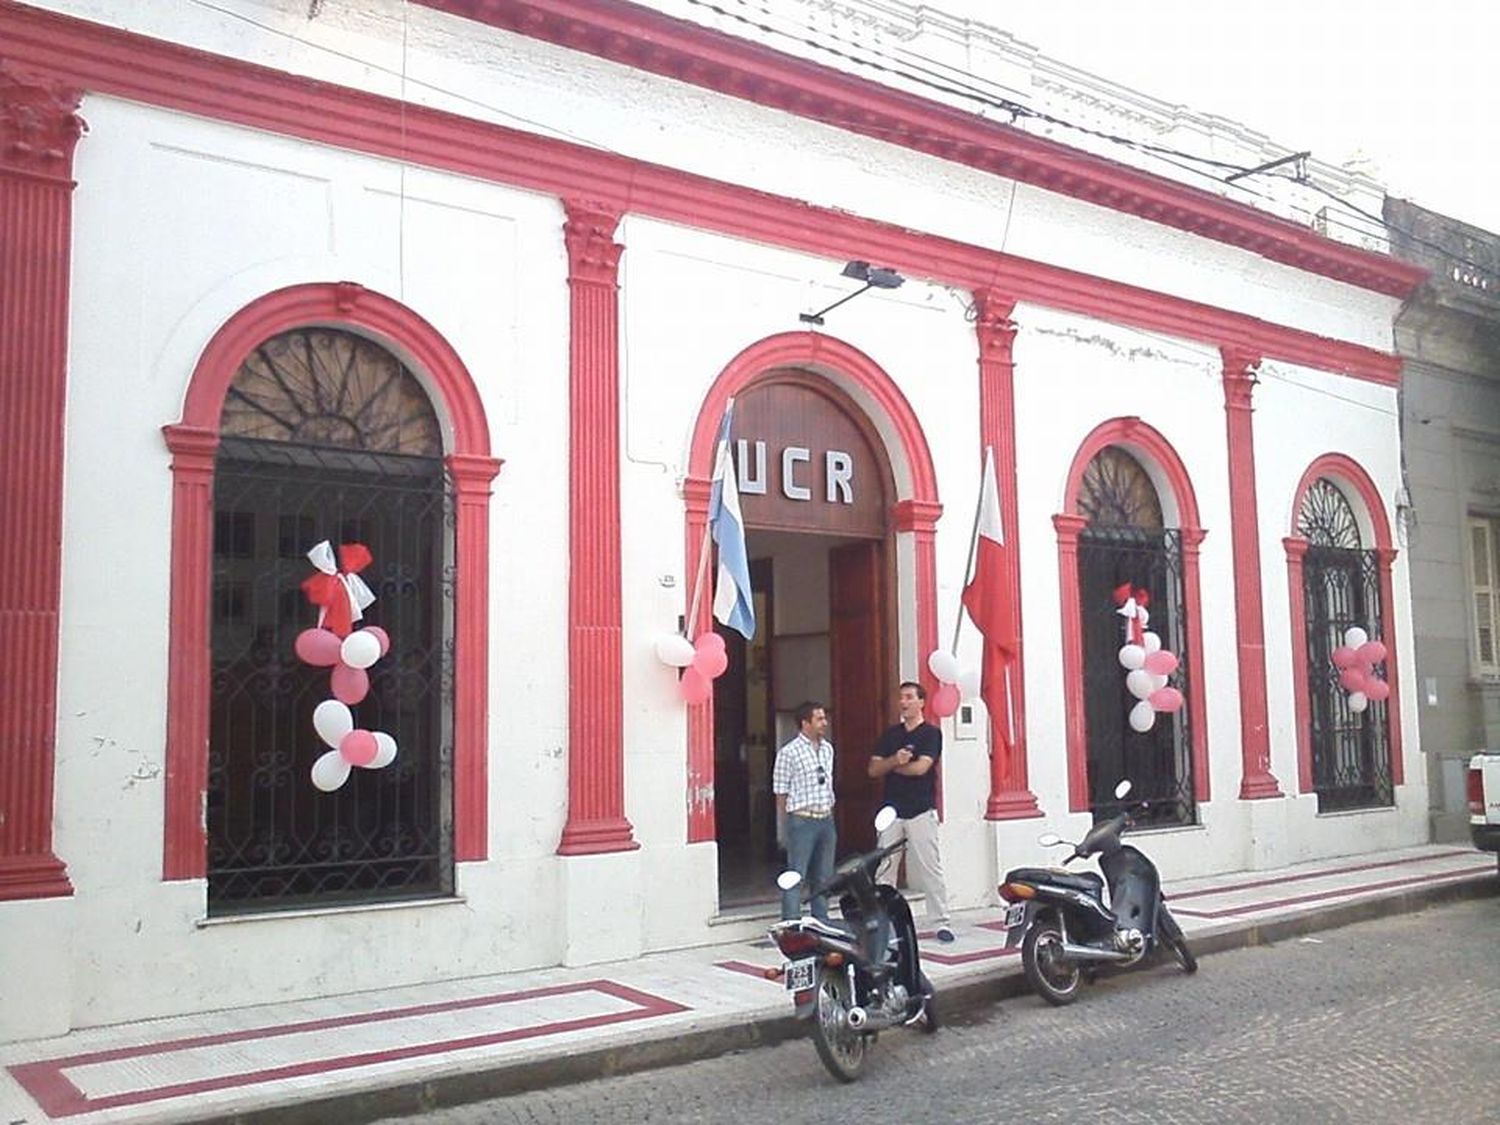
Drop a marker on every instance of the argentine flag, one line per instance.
(733, 605)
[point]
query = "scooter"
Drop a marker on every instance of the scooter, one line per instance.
(1067, 933)
(854, 981)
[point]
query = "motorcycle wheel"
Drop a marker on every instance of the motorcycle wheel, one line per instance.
(1171, 937)
(1048, 970)
(841, 1048)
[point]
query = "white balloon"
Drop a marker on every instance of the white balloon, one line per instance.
(360, 649)
(943, 665)
(1142, 717)
(330, 771)
(1358, 701)
(1152, 642)
(969, 683)
(674, 650)
(332, 720)
(1157, 682)
(1354, 636)
(1140, 683)
(387, 752)
(1132, 657)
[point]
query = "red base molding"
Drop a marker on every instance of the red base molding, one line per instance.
(1259, 786)
(598, 837)
(1019, 804)
(33, 876)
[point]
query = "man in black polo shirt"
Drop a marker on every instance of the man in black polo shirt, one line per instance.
(906, 756)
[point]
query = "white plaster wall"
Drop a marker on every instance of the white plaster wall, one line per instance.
(178, 224)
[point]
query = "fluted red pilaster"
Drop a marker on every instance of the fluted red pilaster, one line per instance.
(39, 127)
(1257, 780)
(596, 708)
(473, 476)
(1010, 795)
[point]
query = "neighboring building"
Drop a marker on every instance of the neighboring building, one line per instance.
(1449, 336)
(471, 283)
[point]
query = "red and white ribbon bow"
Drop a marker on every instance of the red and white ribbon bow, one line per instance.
(1133, 602)
(337, 590)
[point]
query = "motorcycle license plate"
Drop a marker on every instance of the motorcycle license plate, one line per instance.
(1015, 914)
(800, 975)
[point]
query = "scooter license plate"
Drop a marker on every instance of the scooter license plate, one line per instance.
(801, 975)
(1015, 914)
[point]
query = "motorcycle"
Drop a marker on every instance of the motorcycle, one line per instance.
(854, 981)
(1066, 932)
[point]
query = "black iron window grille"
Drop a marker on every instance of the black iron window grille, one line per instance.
(274, 841)
(1341, 589)
(1126, 542)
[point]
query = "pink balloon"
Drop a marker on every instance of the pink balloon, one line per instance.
(350, 685)
(1352, 679)
(1161, 663)
(380, 635)
(712, 662)
(359, 748)
(1167, 700)
(709, 642)
(1376, 690)
(694, 686)
(944, 701)
(1344, 656)
(318, 647)
(1372, 652)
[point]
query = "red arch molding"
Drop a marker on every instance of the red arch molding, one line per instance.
(1143, 439)
(193, 443)
(1347, 471)
(916, 512)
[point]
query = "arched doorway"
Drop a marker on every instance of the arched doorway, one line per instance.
(1128, 545)
(815, 492)
(326, 435)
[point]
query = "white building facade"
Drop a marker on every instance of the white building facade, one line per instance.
(472, 283)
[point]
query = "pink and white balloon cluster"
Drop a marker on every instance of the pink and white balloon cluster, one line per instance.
(955, 683)
(1356, 659)
(1147, 665)
(336, 643)
(703, 661)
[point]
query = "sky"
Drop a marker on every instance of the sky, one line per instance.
(1410, 86)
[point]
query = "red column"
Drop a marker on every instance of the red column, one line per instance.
(1296, 554)
(1385, 557)
(702, 826)
(39, 127)
(1010, 798)
(1069, 528)
(596, 710)
(1255, 748)
(472, 476)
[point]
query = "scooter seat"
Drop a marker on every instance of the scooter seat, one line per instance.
(1086, 881)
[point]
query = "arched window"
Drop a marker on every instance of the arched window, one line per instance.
(325, 434)
(1347, 735)
(1126, 544)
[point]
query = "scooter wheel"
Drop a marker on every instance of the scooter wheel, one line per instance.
(1171, 937)
(929, 1021)
(841, 1048)
(1048, 969)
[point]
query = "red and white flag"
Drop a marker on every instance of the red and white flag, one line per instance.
(987, 596)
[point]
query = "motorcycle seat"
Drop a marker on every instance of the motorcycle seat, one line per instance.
(1086, 881)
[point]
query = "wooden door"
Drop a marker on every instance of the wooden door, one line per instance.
(856, 607)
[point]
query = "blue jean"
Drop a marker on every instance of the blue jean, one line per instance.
(809, 851)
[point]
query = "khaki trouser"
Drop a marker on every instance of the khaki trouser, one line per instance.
(924, 866)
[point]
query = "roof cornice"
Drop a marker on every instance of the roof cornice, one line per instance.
(650, 41)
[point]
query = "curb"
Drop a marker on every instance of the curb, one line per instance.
(416, 1097)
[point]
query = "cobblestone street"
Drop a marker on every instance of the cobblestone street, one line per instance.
(1386, 1021)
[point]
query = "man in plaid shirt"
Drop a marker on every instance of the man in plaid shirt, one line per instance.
(802, 781)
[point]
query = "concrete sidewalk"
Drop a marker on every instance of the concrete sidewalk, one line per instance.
(400, 1051)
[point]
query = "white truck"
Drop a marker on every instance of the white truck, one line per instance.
(1484, 802)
